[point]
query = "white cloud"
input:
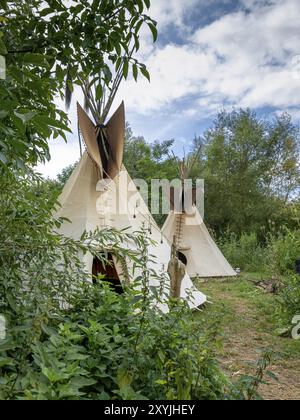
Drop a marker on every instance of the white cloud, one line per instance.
(175, 72)
(256, 50)
(167, 12)
(242, 59)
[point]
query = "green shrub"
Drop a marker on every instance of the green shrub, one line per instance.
(247, 387)
(108, 348)
(245, 252)
(282, 252)
(277, 257)
(289, 301)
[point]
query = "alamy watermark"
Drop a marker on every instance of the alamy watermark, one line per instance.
(2, 68)
(2, 327)
(126, 197)
(296, 329)
(295, 66)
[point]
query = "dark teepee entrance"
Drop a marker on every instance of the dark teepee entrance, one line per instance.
(109, 271)
(182, 258)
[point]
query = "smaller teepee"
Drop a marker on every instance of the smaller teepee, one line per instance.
(195, 246)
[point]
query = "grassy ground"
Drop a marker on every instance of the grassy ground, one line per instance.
(248, 324)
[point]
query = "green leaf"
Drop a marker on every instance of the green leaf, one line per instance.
(118, 63)
(6, 362)
(124, 378)
(46, 12)
(48, 330)
(125, 68)
(118, 48)
(81, 382)
(51, 122)
(161, 382)
(25, 117)
(138, 26)
(136, 42)
(153, 29)
(99, 92)
(104, 396)
(145, 73)
(60, 73)
(135, 71)
(19, 124)
(7, 344)
(272, 376)
(77, 9)
(42, 128)
(140, 5)
(36, 59)
(3, 50)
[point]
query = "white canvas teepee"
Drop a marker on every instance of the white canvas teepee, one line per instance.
(195, 246)
(89, 201)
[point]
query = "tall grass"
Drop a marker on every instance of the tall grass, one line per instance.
(282, 252)
(245, 252)
(277, 257)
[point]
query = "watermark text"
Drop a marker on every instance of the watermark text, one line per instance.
(2, 68)
(296, 329)
(2, 328)
(126, 197)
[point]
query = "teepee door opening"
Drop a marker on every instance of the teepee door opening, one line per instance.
(182, 258)
(109, 271)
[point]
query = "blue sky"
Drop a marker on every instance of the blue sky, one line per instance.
(211, 55)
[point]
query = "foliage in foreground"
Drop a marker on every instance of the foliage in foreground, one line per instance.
(289, 302)
(276, 261)
(100, 350)
(68, 339)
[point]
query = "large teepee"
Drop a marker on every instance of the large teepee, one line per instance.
(89, 202)
(195, 246)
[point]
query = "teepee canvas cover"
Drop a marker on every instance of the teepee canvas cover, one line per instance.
(105, 144)
(196, 247)
(88, 204)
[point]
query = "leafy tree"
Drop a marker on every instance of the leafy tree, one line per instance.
(283, 155)
(251, 171)
(145, 160)
(49, 45)
(65, 174)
